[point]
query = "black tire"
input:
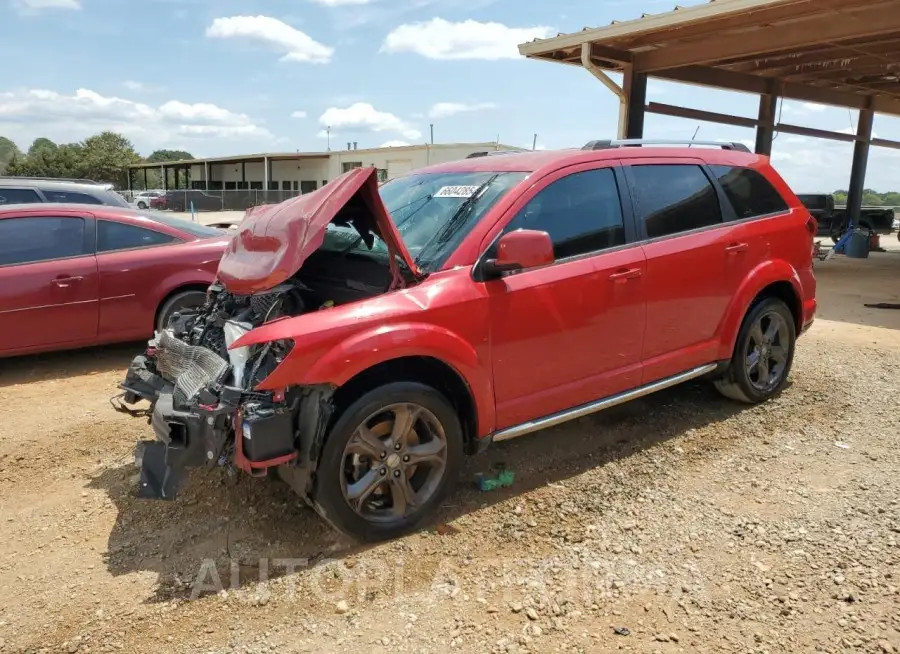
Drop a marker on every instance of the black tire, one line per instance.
(329, 488)
(142, 205)
(178, 302)
(738, 383)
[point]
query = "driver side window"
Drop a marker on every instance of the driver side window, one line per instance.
(581, 212)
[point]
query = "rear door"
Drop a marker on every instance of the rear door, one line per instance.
(48, 281)
(131, 260)
(679, 217)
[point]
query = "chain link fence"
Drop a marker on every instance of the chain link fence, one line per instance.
(231, 200)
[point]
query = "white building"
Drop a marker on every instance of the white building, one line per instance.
(302, 172)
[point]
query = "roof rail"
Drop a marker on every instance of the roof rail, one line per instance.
(72, 180)
(629, 143)
(492, 153)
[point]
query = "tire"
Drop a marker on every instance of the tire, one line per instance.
(178, 302)
(142, 205)
(738, 383)
(374, 519)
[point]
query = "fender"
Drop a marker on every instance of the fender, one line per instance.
(769, 272)
(384, 343)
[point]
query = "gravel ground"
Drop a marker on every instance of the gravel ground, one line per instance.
(678, 523)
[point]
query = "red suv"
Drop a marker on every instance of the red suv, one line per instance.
(361, 340)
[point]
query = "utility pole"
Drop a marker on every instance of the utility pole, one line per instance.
(432, 133)
(328, 136)
(534, 143)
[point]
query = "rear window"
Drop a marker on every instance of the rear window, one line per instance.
(749, 192)
(68, 196)
(195, 229)
(18, 196)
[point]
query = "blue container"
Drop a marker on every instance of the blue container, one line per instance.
(858, 244)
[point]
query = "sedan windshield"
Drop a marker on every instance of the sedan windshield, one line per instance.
(433, 212)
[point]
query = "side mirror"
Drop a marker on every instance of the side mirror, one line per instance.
(520, 250)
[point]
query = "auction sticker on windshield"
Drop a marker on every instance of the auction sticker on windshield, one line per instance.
(456, 192)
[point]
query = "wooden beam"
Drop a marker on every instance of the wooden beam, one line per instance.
(874, 20)
(846, 50)
(886, 143)
(698, 114)
(815, 133)
(742, 82)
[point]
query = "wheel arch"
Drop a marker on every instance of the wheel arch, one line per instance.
(427, 370)
(774, 279)
(190, 286)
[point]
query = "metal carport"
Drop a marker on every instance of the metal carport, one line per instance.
(844, 53)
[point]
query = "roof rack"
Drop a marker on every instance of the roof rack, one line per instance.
(71, 180)
(492, 153)
(630, 143)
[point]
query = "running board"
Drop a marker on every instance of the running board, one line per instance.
(606, 403)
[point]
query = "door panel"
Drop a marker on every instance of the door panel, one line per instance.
(572, 332)
(687, 291)
(46, 301)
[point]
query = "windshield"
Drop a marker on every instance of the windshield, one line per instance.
(431, 213)
(195, 229)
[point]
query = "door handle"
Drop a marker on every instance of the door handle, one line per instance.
(625, 275)
(65, 282)
(737, 248)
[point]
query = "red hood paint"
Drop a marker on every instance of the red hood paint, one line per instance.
(274, 240)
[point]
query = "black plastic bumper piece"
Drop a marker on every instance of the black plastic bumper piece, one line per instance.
(159, 481)
(141, 384)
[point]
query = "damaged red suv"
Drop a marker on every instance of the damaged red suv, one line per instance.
(360, 341)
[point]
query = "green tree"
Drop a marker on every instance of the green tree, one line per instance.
(160, 156)
(41, 144)
(105, 157)
(8, 152)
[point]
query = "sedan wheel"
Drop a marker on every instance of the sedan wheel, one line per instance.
(142, 205)
(388, 461)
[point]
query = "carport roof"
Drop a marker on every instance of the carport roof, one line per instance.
(839, 52)
(246, 158)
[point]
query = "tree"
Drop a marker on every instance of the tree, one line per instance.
(8, 152)
(160, 156)
(105, 157)
(41, 144)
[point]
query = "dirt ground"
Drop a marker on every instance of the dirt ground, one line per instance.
(678, 523)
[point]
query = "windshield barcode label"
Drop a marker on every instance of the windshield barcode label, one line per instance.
(456, 192)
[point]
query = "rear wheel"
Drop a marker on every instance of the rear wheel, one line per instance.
(389, 460)
(142, 205)
(178, 302)
(763, 354)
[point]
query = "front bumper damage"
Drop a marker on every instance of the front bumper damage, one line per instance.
(199, 420)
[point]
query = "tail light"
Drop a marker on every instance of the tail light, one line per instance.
(812, 226)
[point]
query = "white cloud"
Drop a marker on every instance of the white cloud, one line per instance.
(363, 116)
(447, 109)
(394, 144)
(40, 5)
(142, 87)
(340, 3)
(40, 112)
(298, 114)
(296, 45)
(469, 39)
(809, 106)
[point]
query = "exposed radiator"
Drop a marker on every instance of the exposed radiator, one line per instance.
(190, 367)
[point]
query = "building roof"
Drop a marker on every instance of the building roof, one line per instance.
(839, 52)
(292, 156)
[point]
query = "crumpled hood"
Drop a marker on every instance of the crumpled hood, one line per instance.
(274, 240)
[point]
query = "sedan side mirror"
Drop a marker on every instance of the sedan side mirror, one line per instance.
(520, 250)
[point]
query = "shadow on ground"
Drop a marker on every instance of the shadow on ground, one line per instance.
(62, 365)
(253, 519)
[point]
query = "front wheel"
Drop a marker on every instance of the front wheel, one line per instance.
(388, 462)
(763, 354)
(186, 300)
(142, 205)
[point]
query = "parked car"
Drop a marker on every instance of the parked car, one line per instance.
(27, 190)
(360, 340)
(77, 275)
(143, 199)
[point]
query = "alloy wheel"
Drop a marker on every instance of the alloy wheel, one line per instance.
(393, 463)
(768, 350)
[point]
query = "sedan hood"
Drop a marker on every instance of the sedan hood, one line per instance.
(274, 240)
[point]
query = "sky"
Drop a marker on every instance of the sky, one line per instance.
(223, 77)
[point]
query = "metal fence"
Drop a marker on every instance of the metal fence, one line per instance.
(184, 199)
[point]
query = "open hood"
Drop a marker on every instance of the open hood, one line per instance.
(274, 240)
